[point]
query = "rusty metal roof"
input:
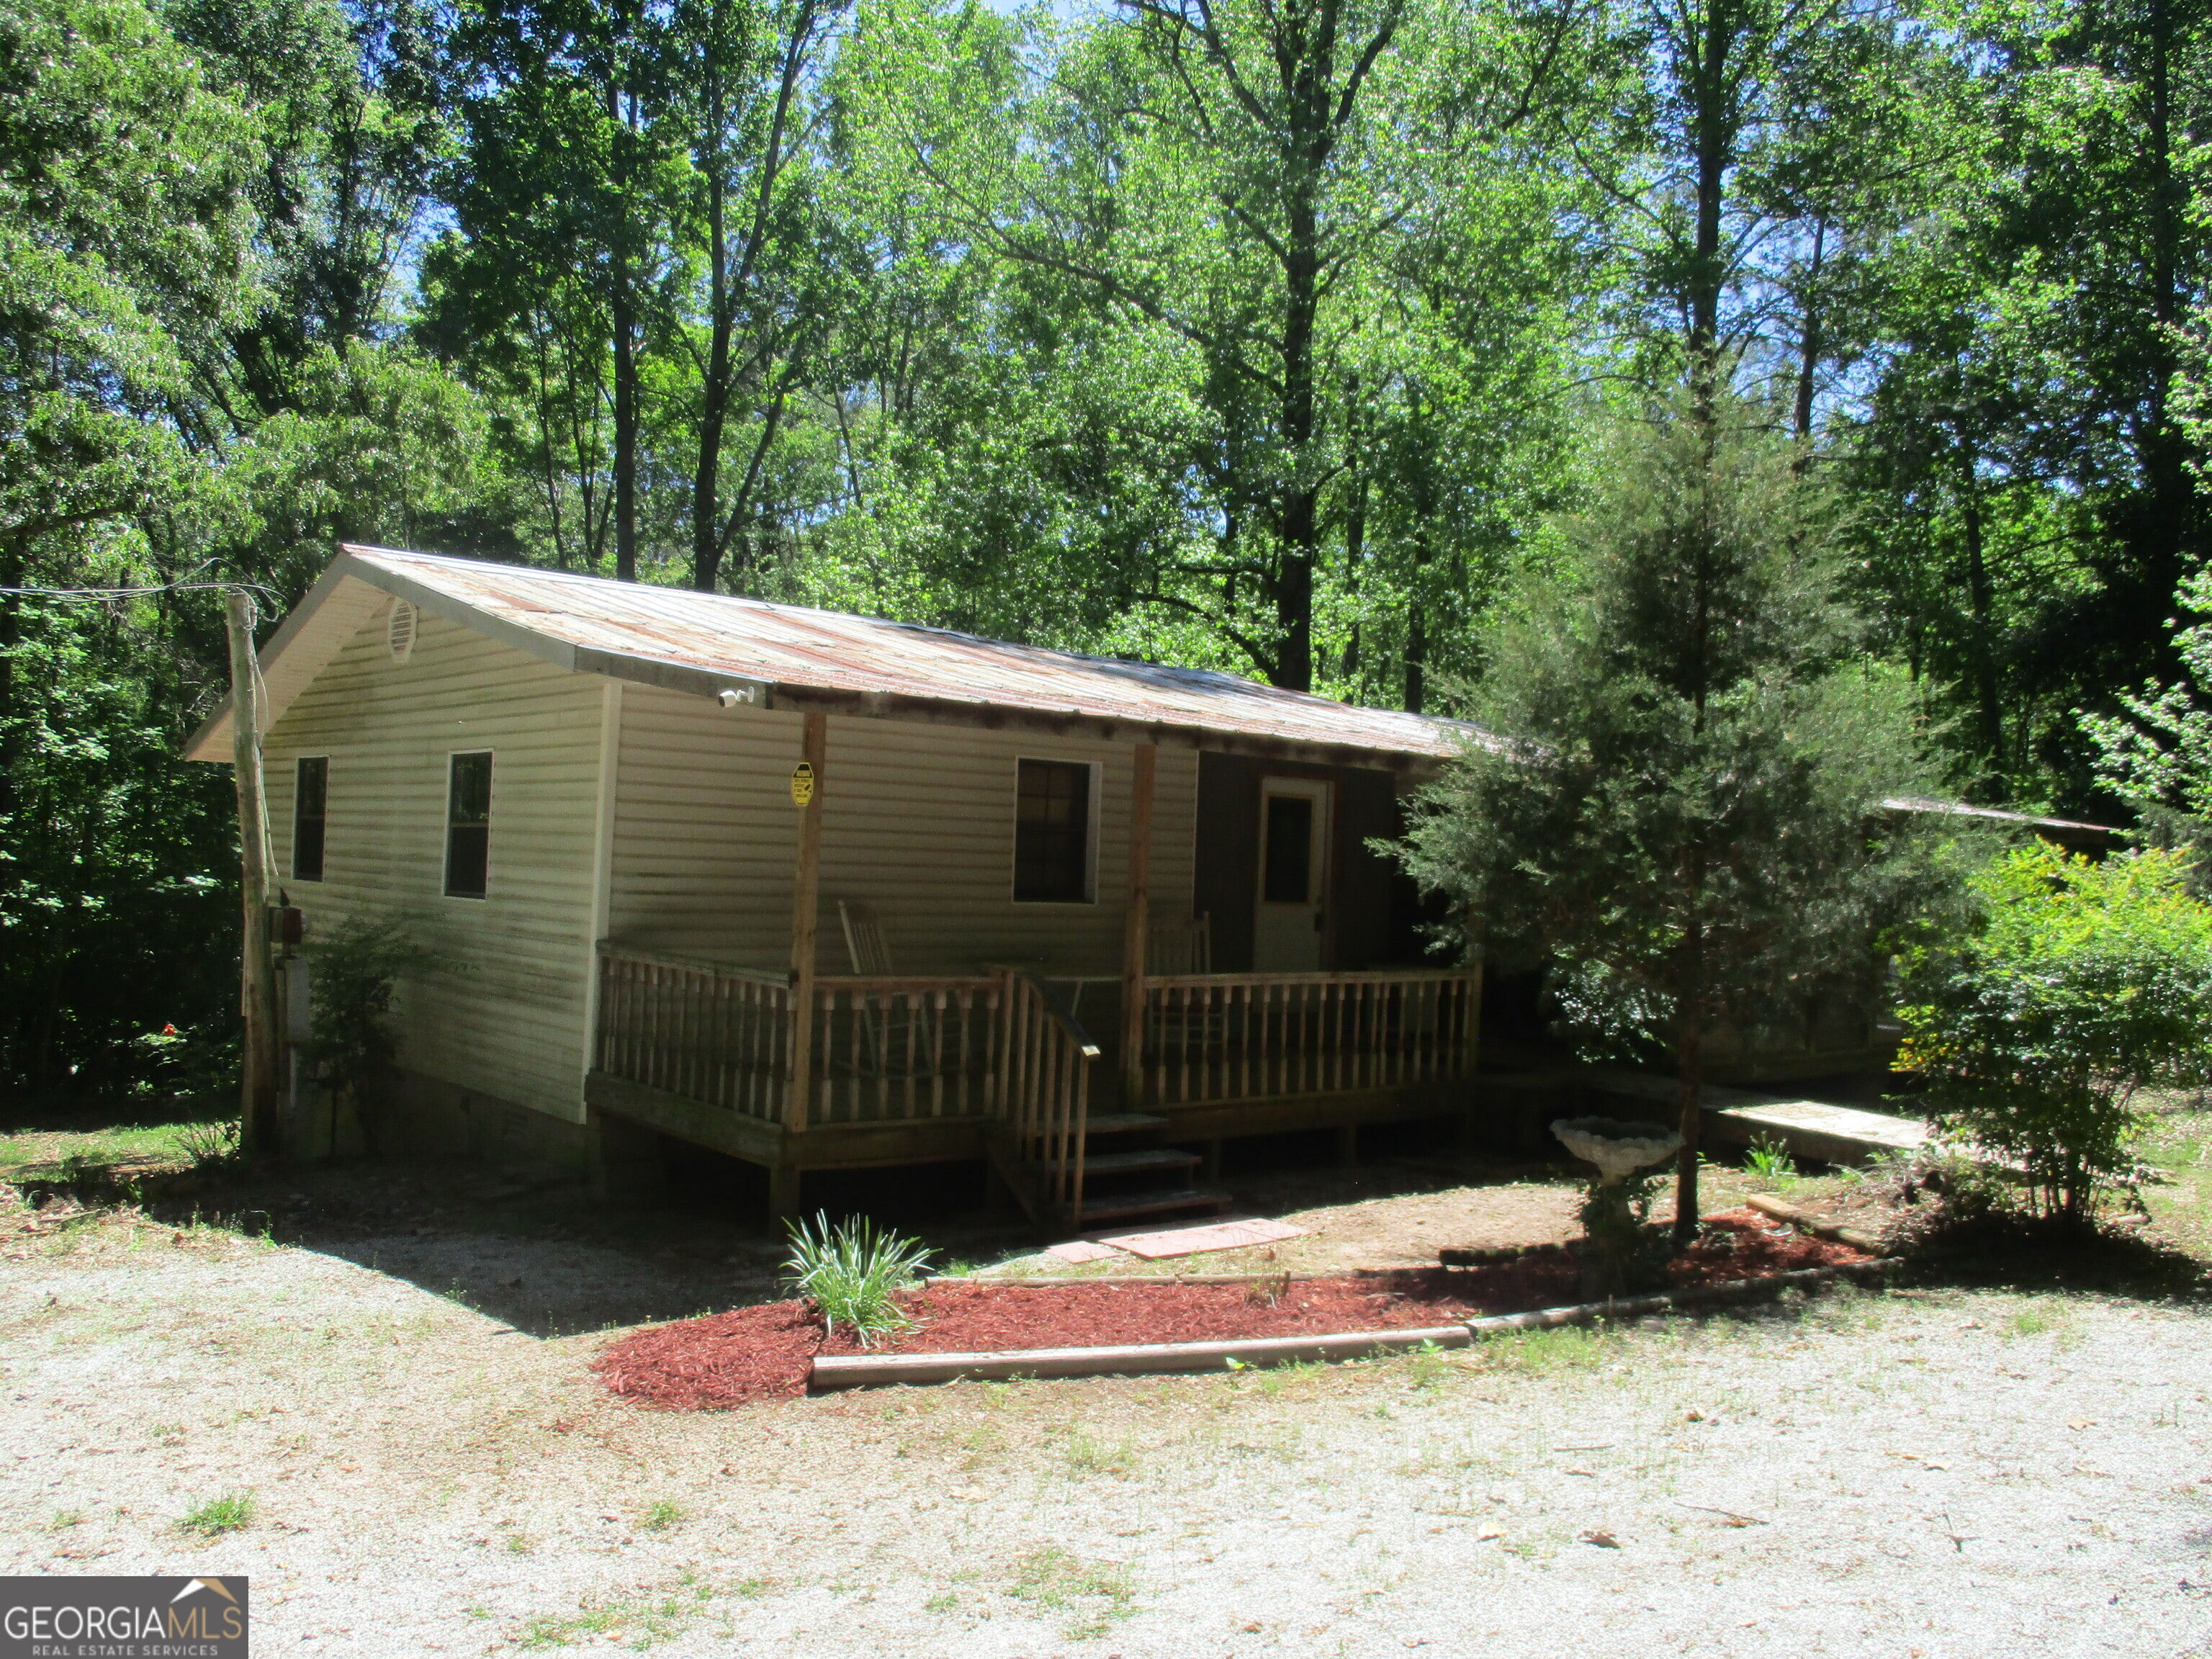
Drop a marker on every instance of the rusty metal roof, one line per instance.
(825, 658)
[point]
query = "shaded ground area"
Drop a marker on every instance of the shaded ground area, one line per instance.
(539, 1253)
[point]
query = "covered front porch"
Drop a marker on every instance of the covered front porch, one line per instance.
(1097, 1082)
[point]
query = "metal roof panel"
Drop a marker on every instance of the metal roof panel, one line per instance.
(791, 645)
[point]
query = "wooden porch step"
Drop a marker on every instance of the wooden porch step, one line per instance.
(1122, 1123)
(1164, 1200)
(1118, 1163)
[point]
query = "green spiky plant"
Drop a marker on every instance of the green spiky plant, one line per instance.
(850, 1271)
(1770, 1160)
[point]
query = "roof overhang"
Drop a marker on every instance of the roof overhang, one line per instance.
(354, 589)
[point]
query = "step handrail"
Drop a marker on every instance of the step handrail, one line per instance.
(1045, 1093)
(1085, 1044)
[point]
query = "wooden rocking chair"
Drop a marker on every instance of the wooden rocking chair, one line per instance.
(1180, 947)
(882, 1032)
(1176, 948)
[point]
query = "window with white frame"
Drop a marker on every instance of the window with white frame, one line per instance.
(1053, 805)
(468, 825)
(310, 785)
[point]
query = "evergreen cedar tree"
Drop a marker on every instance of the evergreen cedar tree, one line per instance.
(1678, 815)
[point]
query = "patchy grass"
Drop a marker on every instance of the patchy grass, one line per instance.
(660, 1515)
(2178, 1147)
(1545, 1354)
(637, 1623)
(1100, 1594)
(58, 1152)
(229, 1513)
(1086, 1454)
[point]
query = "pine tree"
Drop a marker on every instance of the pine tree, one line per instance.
(1678, 811)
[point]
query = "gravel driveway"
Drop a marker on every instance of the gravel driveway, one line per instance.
(1944, 1473)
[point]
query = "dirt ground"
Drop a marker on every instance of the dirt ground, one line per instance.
(1940, 1473)
(393, 1377)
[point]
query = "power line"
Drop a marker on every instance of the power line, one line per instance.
(257, 588)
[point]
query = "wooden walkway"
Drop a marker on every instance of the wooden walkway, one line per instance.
(1810, 1128)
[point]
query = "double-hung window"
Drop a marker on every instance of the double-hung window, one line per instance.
(1052, 832)
(468, 825)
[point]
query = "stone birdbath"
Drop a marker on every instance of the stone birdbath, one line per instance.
(1610, 1217)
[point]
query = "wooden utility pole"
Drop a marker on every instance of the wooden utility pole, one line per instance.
(256, 992)
(1137, 924)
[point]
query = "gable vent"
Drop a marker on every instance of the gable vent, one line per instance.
(399, 630)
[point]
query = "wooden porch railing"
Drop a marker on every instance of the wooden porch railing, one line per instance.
(1003, 1046)
(1046, 1067)
(900, 1049)
(711, 1033)
(1240, 1036)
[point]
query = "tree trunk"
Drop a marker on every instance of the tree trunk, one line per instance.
(623, 307)
(12, 567)
(714, 393)
(2167, 534)
(1809, 343)
(1689, 1059)
(1715, 130)
(1300, 524)
(1982, 601)
(1417, 656)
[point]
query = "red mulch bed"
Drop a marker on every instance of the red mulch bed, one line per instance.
(763, 1352)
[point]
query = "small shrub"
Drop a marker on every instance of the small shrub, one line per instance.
(357, 967)
(211, 1147)
(850, 1271)
(220, 1514)
(2081, 984)
(1770, 1160)
(1618, 1252)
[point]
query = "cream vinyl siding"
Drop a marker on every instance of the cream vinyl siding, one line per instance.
(917, 820)
(505, 1015)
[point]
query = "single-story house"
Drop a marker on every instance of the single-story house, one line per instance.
(824, 891)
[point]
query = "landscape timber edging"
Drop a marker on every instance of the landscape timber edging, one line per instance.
(1015, 1281)
(1806, 1222)
(1696, 1295)
(1155, 1358)
(1127, 1359)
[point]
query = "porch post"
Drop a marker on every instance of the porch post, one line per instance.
(1136, 925)
(805, 890)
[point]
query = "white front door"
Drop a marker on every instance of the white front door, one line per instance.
(1289, 928)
